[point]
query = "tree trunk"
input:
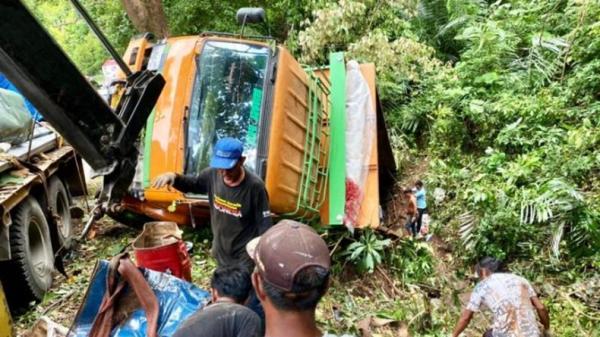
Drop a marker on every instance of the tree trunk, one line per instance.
(147, 16)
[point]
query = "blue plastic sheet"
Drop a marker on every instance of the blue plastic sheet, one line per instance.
(177, 300)
(6, 84)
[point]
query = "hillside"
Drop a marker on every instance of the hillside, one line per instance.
(495, 105)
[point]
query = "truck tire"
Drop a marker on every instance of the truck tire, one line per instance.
(59, 200)
(32, 263)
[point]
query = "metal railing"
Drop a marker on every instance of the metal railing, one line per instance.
(312, 189)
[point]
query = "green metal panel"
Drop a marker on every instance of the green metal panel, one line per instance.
(337, 150)
(315, 163)
(147, 150)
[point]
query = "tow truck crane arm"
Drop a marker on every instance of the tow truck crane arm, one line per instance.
(106, 139)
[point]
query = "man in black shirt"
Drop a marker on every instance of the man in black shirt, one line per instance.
(239, 206)
(226, 316)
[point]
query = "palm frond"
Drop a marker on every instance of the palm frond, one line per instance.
(453, 25)
(466, 230)
(433, 12)
(586, 231)
(555, 200)
(544, 57)
(557, 237)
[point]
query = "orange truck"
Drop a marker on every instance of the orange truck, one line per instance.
(290, 119)
(173, 100)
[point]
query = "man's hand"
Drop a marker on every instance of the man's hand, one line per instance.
(542, 312)
(463, 322)
(165, 179)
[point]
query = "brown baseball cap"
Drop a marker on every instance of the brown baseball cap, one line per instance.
(286, 249)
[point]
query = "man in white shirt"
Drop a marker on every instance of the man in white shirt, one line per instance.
(510, 298)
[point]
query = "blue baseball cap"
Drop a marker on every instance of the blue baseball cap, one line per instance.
(226, 153)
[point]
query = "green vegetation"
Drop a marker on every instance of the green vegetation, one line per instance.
(500, 98)
(503, 99)
(184, 18)
(366, 252)
(74, 36)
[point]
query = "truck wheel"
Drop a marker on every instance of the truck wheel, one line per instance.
(59, 200)
(30, 275)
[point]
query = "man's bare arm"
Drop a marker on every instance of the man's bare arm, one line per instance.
(541, 311)
(463, 322)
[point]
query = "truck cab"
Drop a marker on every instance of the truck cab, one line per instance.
(223, 85)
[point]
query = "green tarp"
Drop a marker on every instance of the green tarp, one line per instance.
(15, 120)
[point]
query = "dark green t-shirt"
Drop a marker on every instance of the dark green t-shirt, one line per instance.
(237, 214)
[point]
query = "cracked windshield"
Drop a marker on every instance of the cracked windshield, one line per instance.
(226, 101)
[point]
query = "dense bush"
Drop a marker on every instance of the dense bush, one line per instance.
(503, 99)
(501, 96)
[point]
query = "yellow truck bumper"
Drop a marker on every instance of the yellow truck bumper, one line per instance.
(5, 321)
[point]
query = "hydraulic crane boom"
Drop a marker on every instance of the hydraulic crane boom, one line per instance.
(38, 67)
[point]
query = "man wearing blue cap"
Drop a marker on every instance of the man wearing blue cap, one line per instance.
(239, 205)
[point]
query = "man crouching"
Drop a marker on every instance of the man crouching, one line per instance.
(226, 316)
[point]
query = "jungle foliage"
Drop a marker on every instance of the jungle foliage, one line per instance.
(500, 97)
(184, 17)
(503, 99)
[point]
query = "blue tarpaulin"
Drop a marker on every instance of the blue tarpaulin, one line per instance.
(177, 300)
(6, 84)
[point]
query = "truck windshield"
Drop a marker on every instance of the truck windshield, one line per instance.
(226, 100)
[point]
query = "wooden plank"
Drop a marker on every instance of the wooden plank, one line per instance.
(46, 140)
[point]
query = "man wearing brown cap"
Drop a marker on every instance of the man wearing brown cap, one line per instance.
(290, 278)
